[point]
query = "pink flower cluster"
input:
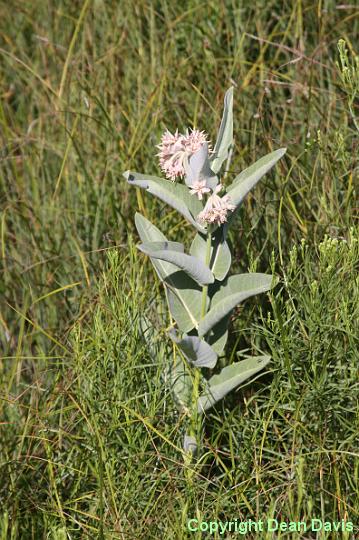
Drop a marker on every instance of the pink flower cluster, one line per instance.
(216, 208)
(176, 149)
(199, 188)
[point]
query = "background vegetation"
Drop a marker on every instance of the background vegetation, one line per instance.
(90, 441)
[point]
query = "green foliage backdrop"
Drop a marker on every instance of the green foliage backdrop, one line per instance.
(89, 441)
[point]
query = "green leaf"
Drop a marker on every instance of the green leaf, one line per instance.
(230, 378)
(225, 134)
(172, 252)
(184, 300)
(248, 178)
(183, 294)
(195, 350)
(176, 195)
(180, 382)
(177, 247)
(221, 258)
(149, 233)
(236, 289)
(218, 335)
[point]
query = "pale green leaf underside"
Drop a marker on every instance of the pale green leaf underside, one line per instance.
(230, 378)
(225, 133)
(170, 252)
(220, 260)
(175, 194)
(248, 178)
(236, 289)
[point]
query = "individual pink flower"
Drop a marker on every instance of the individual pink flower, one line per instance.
(199, 188)
(176, 149)
(216, 208)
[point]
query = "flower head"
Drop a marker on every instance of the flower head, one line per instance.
(199, 188)
(175, 150)
(216, 208)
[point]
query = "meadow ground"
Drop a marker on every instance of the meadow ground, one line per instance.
(89, 437)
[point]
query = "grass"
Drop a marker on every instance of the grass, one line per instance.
(90, 440)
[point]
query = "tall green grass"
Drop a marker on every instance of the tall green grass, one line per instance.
(90, 442)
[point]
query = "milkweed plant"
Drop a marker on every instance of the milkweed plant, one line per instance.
(200, 295)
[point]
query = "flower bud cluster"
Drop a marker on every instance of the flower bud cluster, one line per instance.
(216, 208)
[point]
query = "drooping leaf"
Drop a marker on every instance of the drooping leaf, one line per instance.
(180, 382)
(195, 350)
(173, 252)
(225, 134)
(183, 294)
(248, 178)
(230, 378)
(149, 233)
(175, 194)
(236, 289)
(199, 168)
(220, 260)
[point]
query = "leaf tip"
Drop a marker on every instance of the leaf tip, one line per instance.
(141, 248)
(229, 93)
(264, 359)
(139, 220)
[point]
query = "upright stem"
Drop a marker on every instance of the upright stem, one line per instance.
(195, 422)
(207, 260)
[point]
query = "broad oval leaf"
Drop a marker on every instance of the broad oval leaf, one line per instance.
(183, 294)
(221, 257)
(225, 134)
(172, 253)
(184, 297)
(161, 245)
(248, 178)
(149, 233)
(176, 195)
(236, 289)
(195, 350)
(218, 335)
(230, 378)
